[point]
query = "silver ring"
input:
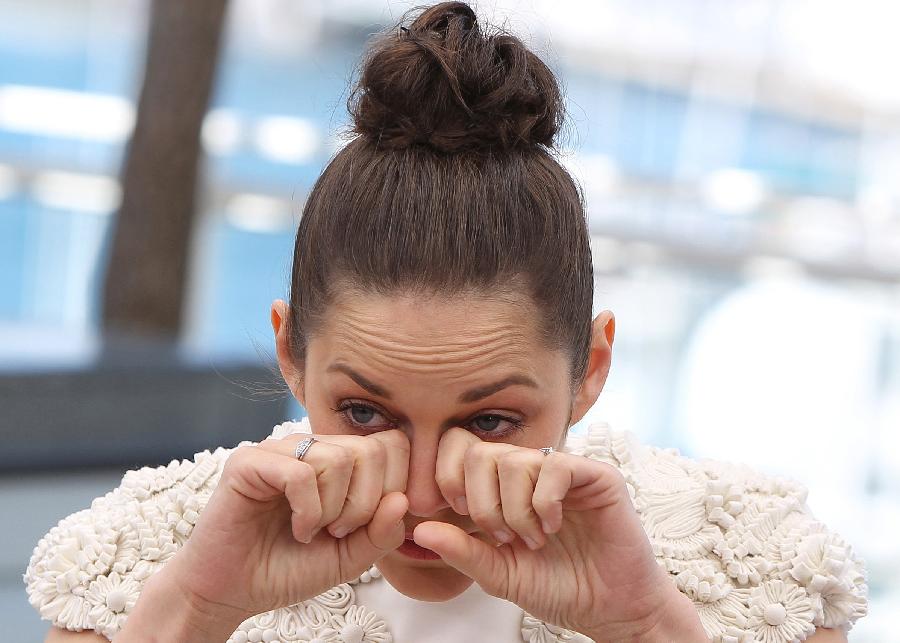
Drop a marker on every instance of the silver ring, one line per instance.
(303, 447)
(546, 450)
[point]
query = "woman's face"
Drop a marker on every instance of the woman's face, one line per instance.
(418, 365)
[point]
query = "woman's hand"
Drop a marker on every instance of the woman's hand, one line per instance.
(592, 568)
(277, 531)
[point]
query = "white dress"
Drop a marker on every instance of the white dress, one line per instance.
(447, 622)
(743, 546)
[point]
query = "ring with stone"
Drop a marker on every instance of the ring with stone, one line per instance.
(546, 450)
(303, 447)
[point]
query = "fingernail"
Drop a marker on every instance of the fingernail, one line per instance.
(502, 535)
(340, 532)
(546, 526)
(462, 507)
(528, 541)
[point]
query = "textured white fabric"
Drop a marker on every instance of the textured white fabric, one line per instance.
(743, 546)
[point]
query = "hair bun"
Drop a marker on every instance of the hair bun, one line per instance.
(442, 82)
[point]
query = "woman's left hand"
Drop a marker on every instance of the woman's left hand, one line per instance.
(593, 572)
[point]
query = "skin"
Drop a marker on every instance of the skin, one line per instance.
(425, 354)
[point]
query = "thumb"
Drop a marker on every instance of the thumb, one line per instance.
(383, 534)
(476, 559)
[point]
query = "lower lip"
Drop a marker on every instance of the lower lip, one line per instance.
(412, 550)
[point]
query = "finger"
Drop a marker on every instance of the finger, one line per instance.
(353, 491)
(474, 558)
(555, 480)
(335, 466)
(518, 472)
(333, 458)
(396, 467)
(383, 534)
(449, 472)
(366, 484)
(483, 489)
(262, 476)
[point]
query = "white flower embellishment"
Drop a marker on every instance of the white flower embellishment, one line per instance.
(111, 598)
(780, 612)
(824, 565)
(358, 625)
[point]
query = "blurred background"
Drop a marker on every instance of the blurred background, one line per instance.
(740, 160)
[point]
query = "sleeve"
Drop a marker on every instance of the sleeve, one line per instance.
(744, 546)
(87, 572)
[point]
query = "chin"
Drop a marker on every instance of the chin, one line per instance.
(432, 581)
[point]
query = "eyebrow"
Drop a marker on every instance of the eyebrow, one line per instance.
(472, 395)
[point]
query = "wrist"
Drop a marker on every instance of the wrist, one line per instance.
(166, 611)
(678, 622)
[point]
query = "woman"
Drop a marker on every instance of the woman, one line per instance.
(439, 335)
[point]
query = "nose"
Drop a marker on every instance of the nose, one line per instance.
(422, 491)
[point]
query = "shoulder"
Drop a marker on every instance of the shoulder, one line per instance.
(87, 572)
(742, 545)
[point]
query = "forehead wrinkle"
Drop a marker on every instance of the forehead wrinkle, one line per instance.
(398, 359)
(379, 333)
(456, 365)
(483, 346)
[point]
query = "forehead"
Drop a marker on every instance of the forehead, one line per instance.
(437, 332)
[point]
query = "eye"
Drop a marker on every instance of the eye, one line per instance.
(357, 415)
(488, 423)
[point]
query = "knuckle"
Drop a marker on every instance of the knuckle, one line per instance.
(484, 516)
(239, 460)
(542, 506)
(269, 444)
(476, 454)
(375, 451)
(556, 457)
(303, 473)
(393, 438)
(356, 512)
(450, 483)
(364, 448)
(519, 519)
(456, 433)
(613, 473)
(342, 458)
(515, 459)
(554, 461)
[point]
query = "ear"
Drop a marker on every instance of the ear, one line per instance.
(603, 331)
(292, 374)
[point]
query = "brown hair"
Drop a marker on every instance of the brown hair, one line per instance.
(450, 184)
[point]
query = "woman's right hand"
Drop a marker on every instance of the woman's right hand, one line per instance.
(273, 531)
